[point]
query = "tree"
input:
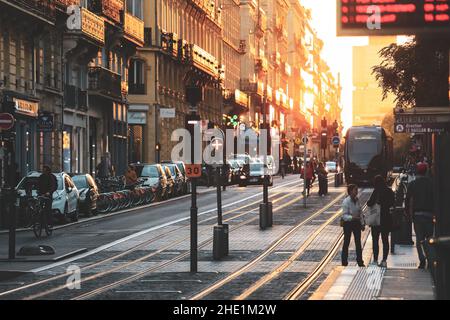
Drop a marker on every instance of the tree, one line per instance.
(402, 141)
(415, 72)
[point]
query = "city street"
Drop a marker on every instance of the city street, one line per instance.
(202, 151)
(143, 254)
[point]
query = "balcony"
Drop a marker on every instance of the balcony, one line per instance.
(207, 7)
(169, 43)
(108, 8)
(136, 88)
(134, 29)
(43, 9)
(65, 3)
(261, 65)
(104, 82)
(92, 26)
(75, 98)
(203, 60)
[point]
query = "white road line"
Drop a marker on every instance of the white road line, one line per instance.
(140, 233)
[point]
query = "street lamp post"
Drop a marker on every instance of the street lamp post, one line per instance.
(265, 208)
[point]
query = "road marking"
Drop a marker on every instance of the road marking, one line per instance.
(140, 233)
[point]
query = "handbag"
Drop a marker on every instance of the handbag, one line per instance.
(373, 215)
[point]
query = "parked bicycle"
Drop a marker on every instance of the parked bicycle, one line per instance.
(40, 219)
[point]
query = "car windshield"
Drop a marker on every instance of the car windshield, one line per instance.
(256, 167)
(80, 182)
(150, 171)
(181, 167)
(32, 182)
(172, 170)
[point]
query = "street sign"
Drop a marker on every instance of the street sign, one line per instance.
(335, 140)
(167, 113)
(193, 170)
(6, 121)
(305, 140)
(298, 141)
(45, 122)
(422, 127)
(393, 17)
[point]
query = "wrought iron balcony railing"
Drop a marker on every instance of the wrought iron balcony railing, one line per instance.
(44, 9)
(108, 8)
(66, 3)
(105, 82)
(203, 60)
(136, 88)
(134, 28)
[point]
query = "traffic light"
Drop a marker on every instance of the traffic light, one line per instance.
(324, 139)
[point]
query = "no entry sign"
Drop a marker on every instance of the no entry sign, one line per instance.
(6, 121)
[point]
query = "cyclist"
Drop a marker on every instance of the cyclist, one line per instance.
(46, 185)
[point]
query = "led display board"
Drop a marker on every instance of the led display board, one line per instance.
(392, 17)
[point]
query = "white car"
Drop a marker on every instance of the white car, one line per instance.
(65, 198)
(331, 166)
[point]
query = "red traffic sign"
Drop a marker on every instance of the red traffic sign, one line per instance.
(193, 170)
(6, 121)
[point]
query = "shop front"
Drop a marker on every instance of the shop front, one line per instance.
(137, 120)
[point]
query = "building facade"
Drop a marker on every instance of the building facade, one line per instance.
(66, 81)
(183, 47)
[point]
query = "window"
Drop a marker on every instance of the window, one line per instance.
(136, 79)
(134, 7)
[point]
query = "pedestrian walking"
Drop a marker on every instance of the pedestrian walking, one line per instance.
(105, 169)
(384, 198)
(322, 176)
(307, 173)
(282, 168)
(420, 200)
(353, 222)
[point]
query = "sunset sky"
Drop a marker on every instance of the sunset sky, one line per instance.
(337, 50)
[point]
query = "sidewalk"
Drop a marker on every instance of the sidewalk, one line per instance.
(402, 280)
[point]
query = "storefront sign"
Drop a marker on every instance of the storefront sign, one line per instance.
(26, 107)
(137, 117)
(167, 113)
(45, 122)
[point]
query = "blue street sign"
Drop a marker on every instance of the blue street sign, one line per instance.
(336, 140)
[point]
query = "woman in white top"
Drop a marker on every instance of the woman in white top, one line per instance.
(353, 222)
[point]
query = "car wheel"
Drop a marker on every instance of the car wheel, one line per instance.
(63, 218)
(74, 216)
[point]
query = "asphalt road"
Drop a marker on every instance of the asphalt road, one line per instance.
(92, 234)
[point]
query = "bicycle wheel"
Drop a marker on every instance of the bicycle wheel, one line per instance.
(48, 224)
(37, 226)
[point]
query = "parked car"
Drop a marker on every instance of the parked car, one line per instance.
(331, 166)
(182, 168)
(177, 177)
(236, 171)
(153, 175)
(171, 182)
(256, 174)
(88, 192)
(65, 199)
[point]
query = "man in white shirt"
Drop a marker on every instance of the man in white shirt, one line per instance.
(353, 222)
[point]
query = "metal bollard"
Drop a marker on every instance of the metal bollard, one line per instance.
(220, 241)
